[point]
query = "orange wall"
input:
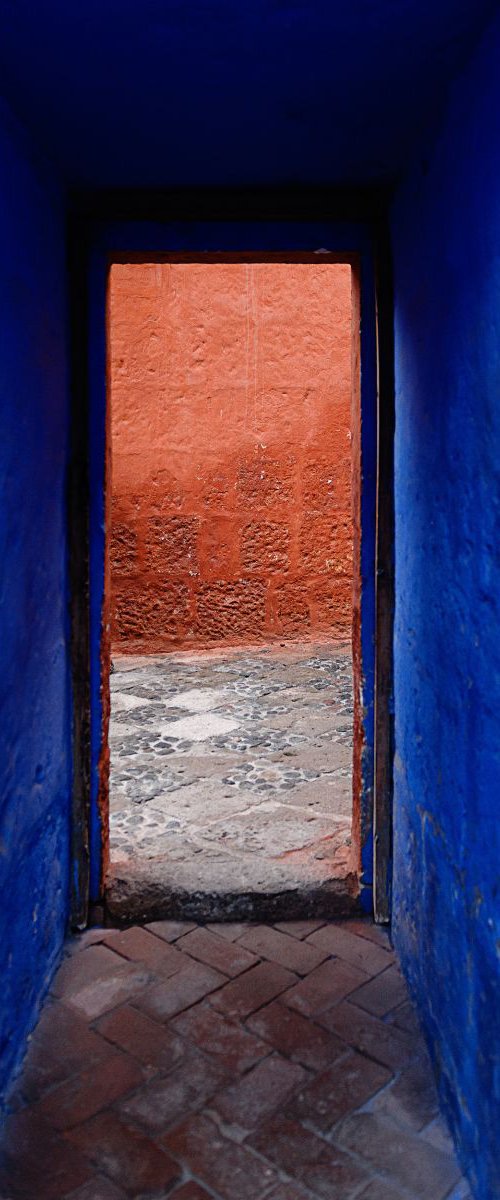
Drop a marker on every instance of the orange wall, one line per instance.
(231, 452)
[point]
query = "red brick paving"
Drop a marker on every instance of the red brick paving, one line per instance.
(404, 1018)
(380, 1190)
(85, 1094)
(244, 995)
(298, 929)
(283, 949)
(110, 990)
(260, 1093)
(221, 1037)
(345, 1086)
(227, 1063)
(330, 982)
(381, 994)
(154, 952)
(141, 1037)
(190, 1191)
(77, 973)
(294, 1036)
(129, 1158)
(428, 1175)
(318, 1164)
(155, 1106)
(207, 947)
(170, 930)
(387, 1044)
(99, 1188)
(358, 951)
(164, 1000)
(62, 1041)
(137, 945)
(364, 927)
(286, 1191)
(411, 1102)
(229, 1169)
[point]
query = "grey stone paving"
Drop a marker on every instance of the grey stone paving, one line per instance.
(231, 771)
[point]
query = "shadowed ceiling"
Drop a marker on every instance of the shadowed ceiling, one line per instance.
(162, 93)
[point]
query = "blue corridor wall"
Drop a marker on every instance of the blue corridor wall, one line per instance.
(34, 692)
(446, 239)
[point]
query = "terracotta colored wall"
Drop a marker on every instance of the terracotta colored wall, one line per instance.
(231, 452)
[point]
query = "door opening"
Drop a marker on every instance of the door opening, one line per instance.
(232, 579)
(95, 247)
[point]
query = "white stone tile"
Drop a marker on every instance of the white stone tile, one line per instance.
(118, 732)
(198, 727)
(123, 702)
(197, 700)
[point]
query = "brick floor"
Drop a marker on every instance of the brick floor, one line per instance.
(243, 1062)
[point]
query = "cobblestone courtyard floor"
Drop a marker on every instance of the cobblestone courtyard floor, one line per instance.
(230, 775)
(228, 1062)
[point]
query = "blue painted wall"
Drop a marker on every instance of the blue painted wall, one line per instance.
(34, 681)
(446, 234)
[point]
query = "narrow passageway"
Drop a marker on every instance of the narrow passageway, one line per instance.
(249, 378)
(228, 1062)
(231, 780)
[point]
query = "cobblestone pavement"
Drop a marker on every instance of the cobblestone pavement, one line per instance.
(228, 1062)
(232, 771)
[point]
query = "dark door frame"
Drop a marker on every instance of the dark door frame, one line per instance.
(138, 227)
(384, 584)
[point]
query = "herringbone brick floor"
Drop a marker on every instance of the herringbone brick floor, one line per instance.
(228, 1062)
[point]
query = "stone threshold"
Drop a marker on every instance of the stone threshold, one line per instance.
(139, 898)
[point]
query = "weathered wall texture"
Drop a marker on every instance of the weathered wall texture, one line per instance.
(34, 697)
(231, 452)
(446, 226)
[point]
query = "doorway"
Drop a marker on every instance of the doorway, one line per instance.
(107, 246)
(231, 525)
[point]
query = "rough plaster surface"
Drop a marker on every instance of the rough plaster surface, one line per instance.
(35, 721)
(231, 452)
(447, 650)
(244, 799)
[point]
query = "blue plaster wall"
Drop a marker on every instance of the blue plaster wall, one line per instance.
(34, 679)
(446, 237)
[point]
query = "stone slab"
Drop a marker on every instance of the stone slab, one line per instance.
(198, 700)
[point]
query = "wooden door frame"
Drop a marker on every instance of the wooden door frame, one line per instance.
(95, 241)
